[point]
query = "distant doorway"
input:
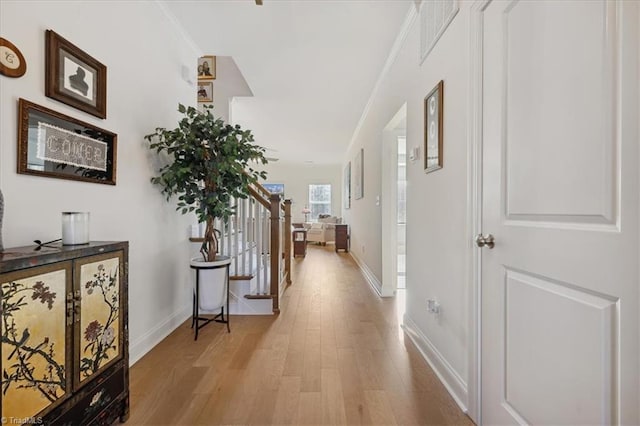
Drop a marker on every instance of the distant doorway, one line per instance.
(394, 183)
(402, 211)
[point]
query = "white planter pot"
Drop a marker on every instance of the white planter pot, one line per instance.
(213, 282)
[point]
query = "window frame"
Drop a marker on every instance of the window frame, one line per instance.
(310, 203)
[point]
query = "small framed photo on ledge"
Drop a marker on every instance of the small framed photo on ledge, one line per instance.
(433, 119)
(207, 68)
(73, 77)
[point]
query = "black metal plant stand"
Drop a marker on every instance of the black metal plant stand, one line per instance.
(196, 319)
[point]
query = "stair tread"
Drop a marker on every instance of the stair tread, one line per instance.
(258, 296)
(241, 277)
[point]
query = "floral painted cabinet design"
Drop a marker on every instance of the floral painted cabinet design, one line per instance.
(98, 339)
(64, 357)
(35, 364)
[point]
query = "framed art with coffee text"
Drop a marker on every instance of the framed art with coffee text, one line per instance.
(433, 119)
(73, 77)
(55, 145)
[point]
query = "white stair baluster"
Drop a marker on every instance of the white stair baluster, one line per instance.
(239, 236)
(266, 245)
(233, 229)
(250, 236)
(259, 246)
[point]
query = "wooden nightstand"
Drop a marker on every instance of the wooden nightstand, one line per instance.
(342, 238)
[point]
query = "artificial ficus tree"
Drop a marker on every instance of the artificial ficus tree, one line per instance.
(209, 165)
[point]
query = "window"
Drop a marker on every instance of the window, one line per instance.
(319, 200)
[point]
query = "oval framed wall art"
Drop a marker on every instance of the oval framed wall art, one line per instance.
(12, 63)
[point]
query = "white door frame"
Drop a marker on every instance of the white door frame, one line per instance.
(474, 203)
(390, 201)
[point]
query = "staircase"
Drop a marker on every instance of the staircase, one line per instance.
(258, 240)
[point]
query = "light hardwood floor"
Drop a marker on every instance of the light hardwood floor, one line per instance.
(335, 355)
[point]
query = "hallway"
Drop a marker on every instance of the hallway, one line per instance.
(335, 355)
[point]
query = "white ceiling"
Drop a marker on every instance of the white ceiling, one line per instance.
(311, 65)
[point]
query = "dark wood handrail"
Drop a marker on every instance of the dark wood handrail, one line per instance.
(264, 192)
(255, 194)
(262, 189)
(268, 193)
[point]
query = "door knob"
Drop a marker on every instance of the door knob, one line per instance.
(485, 240)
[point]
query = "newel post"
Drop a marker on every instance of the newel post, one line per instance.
(274, 251)
(287, 240)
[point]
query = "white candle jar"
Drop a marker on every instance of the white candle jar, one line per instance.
(75, 228)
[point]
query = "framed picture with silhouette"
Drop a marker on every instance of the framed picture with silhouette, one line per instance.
(73, 77)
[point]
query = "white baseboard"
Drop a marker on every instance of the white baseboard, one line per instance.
(154, 336)
(369, 275)
(445, 372)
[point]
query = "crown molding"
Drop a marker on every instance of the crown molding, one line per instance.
(391, 58)
(162, 4)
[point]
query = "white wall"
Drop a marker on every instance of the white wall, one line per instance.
(297, 178)
(437, 236)
(144, 56)
(228, 84)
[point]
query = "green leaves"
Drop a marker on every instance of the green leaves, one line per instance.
(208, 163)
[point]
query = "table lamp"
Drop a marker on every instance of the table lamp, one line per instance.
(306, 212)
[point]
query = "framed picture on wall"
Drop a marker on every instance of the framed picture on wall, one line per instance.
(433, 119)
(358, 175)
(73, 77)
(347, 186)
(12, 63)
(275, 188)
(207, 68)
(205, 91)
(55, 145)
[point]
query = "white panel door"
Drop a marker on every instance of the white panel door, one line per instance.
(560, 195)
